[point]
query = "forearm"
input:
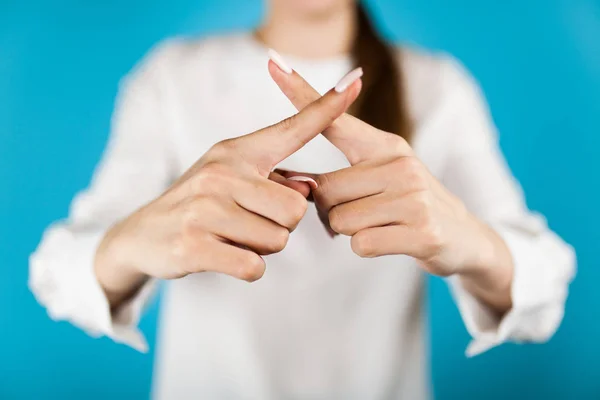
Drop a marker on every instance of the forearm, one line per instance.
(489, 277)
(116, 277)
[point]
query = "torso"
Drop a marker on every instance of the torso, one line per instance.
(322, 323)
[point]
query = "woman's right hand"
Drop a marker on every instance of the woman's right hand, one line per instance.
(225, 212)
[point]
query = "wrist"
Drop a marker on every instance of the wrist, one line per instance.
(118, 276)
(484, 248)
(489, 272)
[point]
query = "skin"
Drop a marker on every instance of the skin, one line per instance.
(223, 214)
(311, 29)
(389, 203)
(386, 201)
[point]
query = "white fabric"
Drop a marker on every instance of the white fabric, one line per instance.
(322, 323)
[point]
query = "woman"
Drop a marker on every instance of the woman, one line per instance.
(416, 174)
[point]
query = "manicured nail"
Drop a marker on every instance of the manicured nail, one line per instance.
(277, 59)
(311, 182)
(348, 79)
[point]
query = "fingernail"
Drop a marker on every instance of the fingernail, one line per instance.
(277, 59)
(311, 182)
(348, 79)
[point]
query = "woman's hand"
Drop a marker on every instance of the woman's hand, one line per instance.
(389, 203)
(225, 212)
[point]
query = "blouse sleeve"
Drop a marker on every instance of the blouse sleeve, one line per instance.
(544, 264)
(135, 168)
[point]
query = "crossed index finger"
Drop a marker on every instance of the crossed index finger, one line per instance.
(271, 145)
(358, 140)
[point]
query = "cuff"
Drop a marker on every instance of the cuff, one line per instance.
(538, 296)
(68, 287)
(122, 325)
(485, 327)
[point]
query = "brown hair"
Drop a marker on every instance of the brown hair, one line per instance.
(381, 101)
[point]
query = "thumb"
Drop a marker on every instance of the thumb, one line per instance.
(302, 186)
(322, 212)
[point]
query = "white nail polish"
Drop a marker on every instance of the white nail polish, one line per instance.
(312, 183)
(348, 79)
(277, 59)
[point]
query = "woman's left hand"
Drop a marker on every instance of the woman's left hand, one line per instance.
(389, 203)
(393, 205)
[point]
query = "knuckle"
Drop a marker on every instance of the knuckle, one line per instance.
(185, 249)
(408, 165)
(193, 210)
(362, 245)
(424, 203)
(297, 207)
(433, 241)
(338, 220)
(189, 225)
(216, 170)
(210, 177)
(398, 145)
(413, 172)
(278, 240)
(423, 210)
(252, 267)
(223, 147)
(191, 213)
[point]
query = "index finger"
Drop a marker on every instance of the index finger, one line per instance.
(356, 139)
(271, 145)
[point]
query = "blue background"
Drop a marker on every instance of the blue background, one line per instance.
(537, 60)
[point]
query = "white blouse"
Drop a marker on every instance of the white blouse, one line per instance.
(322, 323)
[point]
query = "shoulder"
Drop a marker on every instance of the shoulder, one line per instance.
(431, 80)
(179, 56)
